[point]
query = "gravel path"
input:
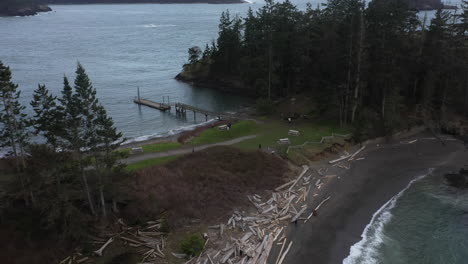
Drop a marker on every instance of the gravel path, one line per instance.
(144, 156)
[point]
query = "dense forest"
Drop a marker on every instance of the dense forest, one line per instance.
(141, 1)
(60, 186)
(373, 66)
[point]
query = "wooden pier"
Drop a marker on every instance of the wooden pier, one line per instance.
(155, 105)
(181, 109)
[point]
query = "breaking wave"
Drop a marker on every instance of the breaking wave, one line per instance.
(157, 26)
(366, 251)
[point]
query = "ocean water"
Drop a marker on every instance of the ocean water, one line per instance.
(425, 223)
(122, 47)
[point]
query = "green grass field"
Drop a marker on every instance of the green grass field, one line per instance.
(150, 162)
(213, 135)
(157, 147)
(270, 132)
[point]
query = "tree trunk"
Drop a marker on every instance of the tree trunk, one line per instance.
(358, 70)
(87, 190)
(466, 95)
(103, 201)
(348, 81)
(421, 45)
(383, 103)
(114, 206)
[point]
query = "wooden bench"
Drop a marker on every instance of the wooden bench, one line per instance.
(284, 141)
(137, 150)
(294, 133)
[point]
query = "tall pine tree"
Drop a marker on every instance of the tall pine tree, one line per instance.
(14, 129)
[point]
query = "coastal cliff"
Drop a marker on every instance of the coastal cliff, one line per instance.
(199, 75)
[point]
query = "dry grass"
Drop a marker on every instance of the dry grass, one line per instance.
(205, 185)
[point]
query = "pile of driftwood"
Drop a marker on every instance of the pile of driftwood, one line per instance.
(345, 160)
(261, 230)
(147, 240)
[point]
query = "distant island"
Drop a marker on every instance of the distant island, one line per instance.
(32, 7)
(428, 4)
(56, 2)
(22, 7)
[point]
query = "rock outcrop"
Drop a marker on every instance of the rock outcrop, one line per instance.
(458, 180)
(14, 8)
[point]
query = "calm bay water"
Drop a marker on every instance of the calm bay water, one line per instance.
(122, 47)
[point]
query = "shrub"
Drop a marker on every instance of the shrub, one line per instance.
(192, 245)
(164, 225)
(264, 106)
(125, 258)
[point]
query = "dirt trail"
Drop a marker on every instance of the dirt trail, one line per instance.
(184, 150)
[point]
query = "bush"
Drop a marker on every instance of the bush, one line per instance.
(164, 225)
(192, 245)
(264, 106)
(125, 258)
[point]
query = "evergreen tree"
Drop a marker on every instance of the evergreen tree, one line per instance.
(70, 120)
(14, 127)
(47, 115)
(109, 139)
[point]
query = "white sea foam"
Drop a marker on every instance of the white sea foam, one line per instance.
(366, 250)
(171, 132)
(174, 131)
(157, 26)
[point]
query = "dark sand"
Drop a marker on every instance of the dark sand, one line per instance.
(357, 193)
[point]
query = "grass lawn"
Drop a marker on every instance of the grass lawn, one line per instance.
(270, 132)
(151, 162)
(213, 135)
(157, 147)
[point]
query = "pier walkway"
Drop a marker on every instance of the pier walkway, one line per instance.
(181, 109)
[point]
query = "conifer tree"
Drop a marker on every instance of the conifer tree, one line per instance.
(47, 115)
(14, 127)
(109, 139)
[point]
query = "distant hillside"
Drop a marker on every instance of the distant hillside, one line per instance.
(427, 4)
(22, 7)
(142, 1)
(32, 7)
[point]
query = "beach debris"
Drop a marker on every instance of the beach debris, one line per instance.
(261, 230)
(316, 209)
(357, 152)
(285, 253)
(147, 240)
(101, 249)
(339, 159)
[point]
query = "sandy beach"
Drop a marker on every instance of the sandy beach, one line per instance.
(356, 194)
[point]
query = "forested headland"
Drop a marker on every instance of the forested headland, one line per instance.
(22, 7)
(32, 7)
(377, 67)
